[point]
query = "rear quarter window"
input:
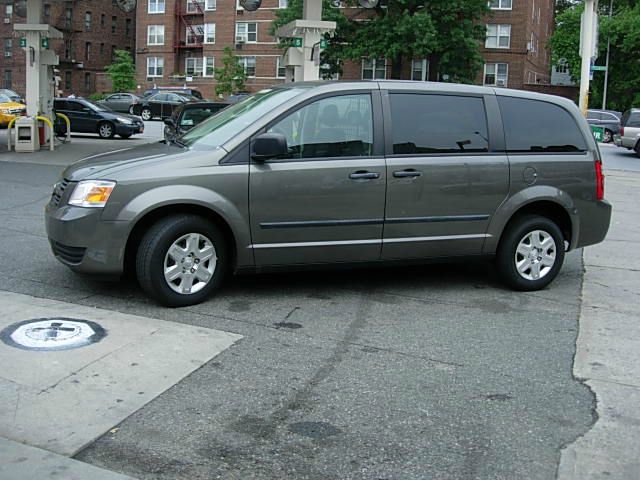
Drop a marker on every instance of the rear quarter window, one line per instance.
(538, 126)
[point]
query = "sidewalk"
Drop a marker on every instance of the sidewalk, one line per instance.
(608, 346)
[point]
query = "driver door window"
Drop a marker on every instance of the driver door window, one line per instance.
(332, 127)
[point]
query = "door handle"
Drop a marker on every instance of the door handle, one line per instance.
(409, 173)
(364, 175)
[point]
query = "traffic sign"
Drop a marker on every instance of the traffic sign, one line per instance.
(598, 68)
(44, 42)
(297, 42)
(598, 133)
(324, 43)
(23, 42)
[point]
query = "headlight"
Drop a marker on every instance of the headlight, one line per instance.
(92, 193)
(5, 111)
(126, 121)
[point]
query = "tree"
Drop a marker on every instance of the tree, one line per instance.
(122, 72)
(231, 77)
(448, 34)
(623, 29)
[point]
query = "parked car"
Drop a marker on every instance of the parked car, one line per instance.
(188, 115)
(89, 117)
(608, 119)
(120, 102)
(307, 174)
(186, 91)
(630, 131)
(15, 97)
(161, 105)
(10, 109)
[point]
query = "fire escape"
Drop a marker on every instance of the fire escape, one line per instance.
(69, 27)
(189, 16)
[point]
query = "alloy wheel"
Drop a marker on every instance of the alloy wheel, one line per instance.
(190, 263)
(535, 255)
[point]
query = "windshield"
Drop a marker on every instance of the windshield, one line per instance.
(4, 98)
(220, 128)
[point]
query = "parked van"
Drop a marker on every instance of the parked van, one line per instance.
(629, 137)
(340, 173)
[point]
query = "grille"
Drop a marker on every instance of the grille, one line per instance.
(68, 254)
(58, 191)
(16, 111)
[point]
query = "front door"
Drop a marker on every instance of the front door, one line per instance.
(324, 203)
(444, 183)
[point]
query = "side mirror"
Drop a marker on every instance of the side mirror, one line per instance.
(268, 145)
(169, 121)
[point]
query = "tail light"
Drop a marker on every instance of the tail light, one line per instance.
(622, 131)
(599, 180)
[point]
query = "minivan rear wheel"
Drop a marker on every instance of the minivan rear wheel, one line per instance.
(181, 260)
(531, 253)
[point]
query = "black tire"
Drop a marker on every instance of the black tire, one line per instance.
(106, 130)
(131, 110)
(506, 259)
(637, 149)
(608, 136)
(125, 136)
(146, 114)
(153, 254)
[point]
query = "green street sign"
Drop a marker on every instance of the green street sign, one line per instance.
(297, 42)
(324, 43)
(598, 133)
(23, 42)
(44, 42)
(598, 68)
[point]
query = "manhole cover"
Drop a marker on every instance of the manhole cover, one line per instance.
(56, 333)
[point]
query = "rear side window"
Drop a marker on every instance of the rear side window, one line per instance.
(536, 126)
(632, 120)
(435, 124)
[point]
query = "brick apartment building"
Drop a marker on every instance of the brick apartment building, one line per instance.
(180, 42)
(92, 29)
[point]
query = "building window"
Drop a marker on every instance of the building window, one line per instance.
(68, 17)
(209, 33)
(498, 36)
(496, 74)
(114, 24)
(101, 49)
(87, 21)
(195, 34)
(113, 52)
(193, 67)
(374, 69)
(194, 7)
(500, 4)
(67, 49)
(210, 5)
(8, 11)
(246, 32)
(8, 79)
(127, 27)
(87, 50)
(281, 70)
(8, 47)
(208, 66)
(155, 35)
(156, 6)
(532, 44)
(283, 3)
(249, 65)
(67, 81)
(46, 12)
(419, 70)
(87, 82)
(562, 66)
(103, 20)
(155, 66)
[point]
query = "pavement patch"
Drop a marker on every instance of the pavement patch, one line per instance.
(62, 399)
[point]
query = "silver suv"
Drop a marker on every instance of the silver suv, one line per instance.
(630, 131)
(334, 173)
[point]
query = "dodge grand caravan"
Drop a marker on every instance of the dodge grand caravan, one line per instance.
(343, 172)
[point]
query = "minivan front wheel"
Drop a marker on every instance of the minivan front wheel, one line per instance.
(181, 260)
(531, 253)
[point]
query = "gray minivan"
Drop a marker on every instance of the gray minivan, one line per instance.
(340, 173)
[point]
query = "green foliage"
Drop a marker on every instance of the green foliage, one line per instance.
(231, 77)
(122, 72)
(623, 29)
(448, 34)
(96, 97)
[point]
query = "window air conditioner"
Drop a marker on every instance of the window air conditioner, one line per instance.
(7, 54)
(500, 83)
(240, 39)
(7, 20)
(529, 47)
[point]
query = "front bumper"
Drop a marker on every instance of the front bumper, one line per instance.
(83, 242)
(123, 129)
(5, 118)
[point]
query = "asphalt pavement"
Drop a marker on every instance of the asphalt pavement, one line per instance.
(394, 373)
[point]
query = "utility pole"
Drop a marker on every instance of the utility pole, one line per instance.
(606, 72)
(588, 49)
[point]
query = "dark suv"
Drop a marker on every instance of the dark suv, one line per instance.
(88, 117)
(340, 173)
